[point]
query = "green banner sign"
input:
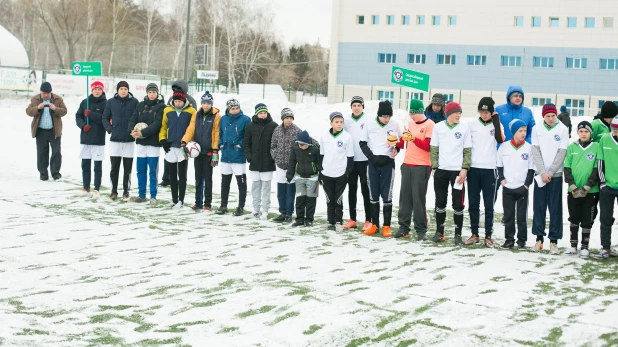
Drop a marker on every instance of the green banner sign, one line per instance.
(410, 78)
(86, 68)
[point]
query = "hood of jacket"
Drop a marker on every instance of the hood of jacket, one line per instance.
(181, 84)
(128, 97)
(511, 90)
(170, 103)
(92, 98)
(159, 100)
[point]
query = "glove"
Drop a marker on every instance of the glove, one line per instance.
(392, 140)
(214, 159)
(573, 189)
(407, 136)
(166, 145)
(577, 193)
(86, 113)
(183, 148)
(86, 128)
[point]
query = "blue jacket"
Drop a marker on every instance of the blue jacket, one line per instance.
(174, 123)
(508, 112)
(118, 112)
(231, 135)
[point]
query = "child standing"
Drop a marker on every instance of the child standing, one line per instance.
(303, 165)
(582, 176)
(515, 172)
(608, 174)
(601, 123)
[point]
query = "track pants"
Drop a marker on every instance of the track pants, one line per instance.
(147, 171)
(333, 189)
(87, 173)
(381, 181)
(203, 180)
(442, 180)
(127, 164)
(515, 200)
(307, 190)
(582, 211)
(481, 181)
(359, 171)
(548, 196)
(241, 181)
(607, 199)
(178, 180)
(412, 197)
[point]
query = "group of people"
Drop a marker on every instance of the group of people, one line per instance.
(502, 148)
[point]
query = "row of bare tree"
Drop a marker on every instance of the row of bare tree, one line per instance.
(148, 38)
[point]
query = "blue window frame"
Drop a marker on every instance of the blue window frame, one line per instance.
(477, 60)
(435, 20)
(576, 63)
(571, 22)
(510, 61)
(536, 22)
(445, 59)
(590, 22)
(420, 20)
(575, 107)
(386, 95)
(390, 20)
(608, 64)
(519, 21)
(375, 19)
(452, 20)
(405, 20)
(387, 58)
(543, 62)
(601, 102)
(540, 101)
(554, 22)
(416, 58)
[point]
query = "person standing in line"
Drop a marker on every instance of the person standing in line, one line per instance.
(303, 168)
(47, 110)
(565, 118)
(601, 123)
(118, 112)
(435, 110)
(608, 174)
(515, 109)
(92, 137)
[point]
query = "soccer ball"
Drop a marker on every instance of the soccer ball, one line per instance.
(193, 149)
(140, 126)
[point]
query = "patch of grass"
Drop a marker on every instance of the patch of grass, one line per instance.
(116, 308)
(390, 319)
(488, 291)
(348, 283)
(406, 343)
(182, 327)
(375, 271)
(158, 342)
(312, 329)
(610, 339)
(282, 318)
(357, 289)
(263, 309)
(27, 331)
(439, 277)
(358, 342)
(429, 305)
(501, 279)
(162, 290)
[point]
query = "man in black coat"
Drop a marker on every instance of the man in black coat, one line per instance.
(256, 146)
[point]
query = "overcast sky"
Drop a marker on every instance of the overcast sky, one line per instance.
(303, 20)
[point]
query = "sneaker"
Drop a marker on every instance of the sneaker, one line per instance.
(438, 237)
(140, 200)
(179, 205)
(239, 212)
(613, 252)
(172, 204)
(113, 196)
(386, 231)
(280, 218)
(85, 191)
(298, 223)
(222, 210)
(57, 177)
(351, 224)
(309, 223)
(508, 244)
(44, 178)
(125, 197)
(196, 207)
(603, 255)
(372, 230)
(96, 194)
(338, 227)
(472, 240)
(264, 216)
(402, 234)
(571, 251)
(207, 208)
(584, 253)
(288, 219)
(538, 246)
(330, 227)
(421, 236)
(367, 225)
(256, 214)
(489, 243)
(553, 248)
(521, 245)
(153, 202)
(458, 241)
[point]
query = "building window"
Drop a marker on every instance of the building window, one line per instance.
(477, 60)
(601, 102)
(387, 58)
(452, 20)
(375, 20)
(554, 22)
(589, 22)
(519, 21)
(536, 22)
(416, 58)
(510, 61)
(390, 20)
(576, 63)
(360, 19)
(571, 22)
(417, 96)
(575, 107)
(608, 22)
(544, 62)
(540, 101)
(435, 20)
(420, 20)
(405, 20)
(384, 95)
(609, 64)
(446, 59)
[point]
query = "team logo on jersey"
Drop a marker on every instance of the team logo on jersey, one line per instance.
(590, 156)
(363, 126)
(457, 135)
(557, 137)
(422, 130)
(492, 132)
(391, 132)
(398, 75)
(524, 156)
(339, 143)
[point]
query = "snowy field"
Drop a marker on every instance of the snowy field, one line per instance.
(79, 272)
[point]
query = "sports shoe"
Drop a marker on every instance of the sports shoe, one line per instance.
(298, 223)
(280, 218)
(172, 204)
(309, 223)
(489, 243)
(521, 245)
(139, 200)
(125, 197)
(222, 210)
(196, 207)
(57, 177)
(153, 202)
(421, 237)
(96, 194)
(613, 252)
(472, 240)
(571, 251)
(256, 214)
(85, 192)
(264, 216)
(438, 237)
(113, 196)
(372, 230)
(338, 227)
(508, 244)
(239, 212)
(538, 246)
(603, 255)
(288, 219)
(330, 227)
(351, 224)
(402, 234)
(367, 225)
(207, 208)
(584, 253)
(386, 231)
(553, 248)
(179, 205)
(458, 241)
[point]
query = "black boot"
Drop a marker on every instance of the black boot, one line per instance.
(279, 218)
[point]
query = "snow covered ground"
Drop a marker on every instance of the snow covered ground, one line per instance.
(75, 271)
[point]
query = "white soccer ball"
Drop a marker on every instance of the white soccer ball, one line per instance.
(193, 149)
(140, 127)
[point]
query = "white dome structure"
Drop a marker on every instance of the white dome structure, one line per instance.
(13, 52)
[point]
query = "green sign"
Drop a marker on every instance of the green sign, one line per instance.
(409, 78)
(86, 68)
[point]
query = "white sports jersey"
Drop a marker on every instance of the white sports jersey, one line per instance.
(376, 135)
(451, 142)
(550, 140)
(484, 145)
(516, 163)
(355, 128)
(336, 150)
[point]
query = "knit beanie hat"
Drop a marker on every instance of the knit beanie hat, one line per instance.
(335, 115)
(46, 87)
(614, 124)
(515, 124)
(122, 84)
(452, 107)
(97, 84)
(231, 103)
(438, 99)
(303, 138)
(357, 99)
(585, 125)
(152, 86)
(487, 104)
(286, 112)
(416, 107)
(549, 108)
(385, 108)
(179, 96)
(563, 108)
(260, 108)
(609, 110)
(207, 97)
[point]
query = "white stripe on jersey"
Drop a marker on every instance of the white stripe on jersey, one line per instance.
(516, 163)
(336, 150)
(376, 135)
(451, 142)
(355, 128)
(484, 145)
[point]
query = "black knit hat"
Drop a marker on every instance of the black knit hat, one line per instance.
(46, 87)
(609, 110)
(385, 108)
(357, 100)
(122, 84)
(487, 104)
(585, 125)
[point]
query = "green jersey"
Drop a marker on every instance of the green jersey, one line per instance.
(582, 162)
(598, 129)
(608, 152)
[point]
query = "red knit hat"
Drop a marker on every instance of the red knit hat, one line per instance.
(452, 107)
(97, 84)
(179, 96)
(549, 108)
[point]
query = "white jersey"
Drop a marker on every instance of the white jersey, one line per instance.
(376, 135)
(484, 144)
(336, 150)
(516, 163)
(355, 127)
(451, 142)
(550, 140)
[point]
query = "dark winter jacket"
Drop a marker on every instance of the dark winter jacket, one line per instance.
(565, 119)
(96, 135)
(181, 85)
(256, 144)
(33, 111)
(304, 163)
(508, 112)
(231, 136)
(175, 122)
(118, 112)
(281, 145)
(204, 129)
(436, 117)
(151, 113)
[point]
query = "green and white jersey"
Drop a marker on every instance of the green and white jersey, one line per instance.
(598, 129)
(582, 161)
(608, 152)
